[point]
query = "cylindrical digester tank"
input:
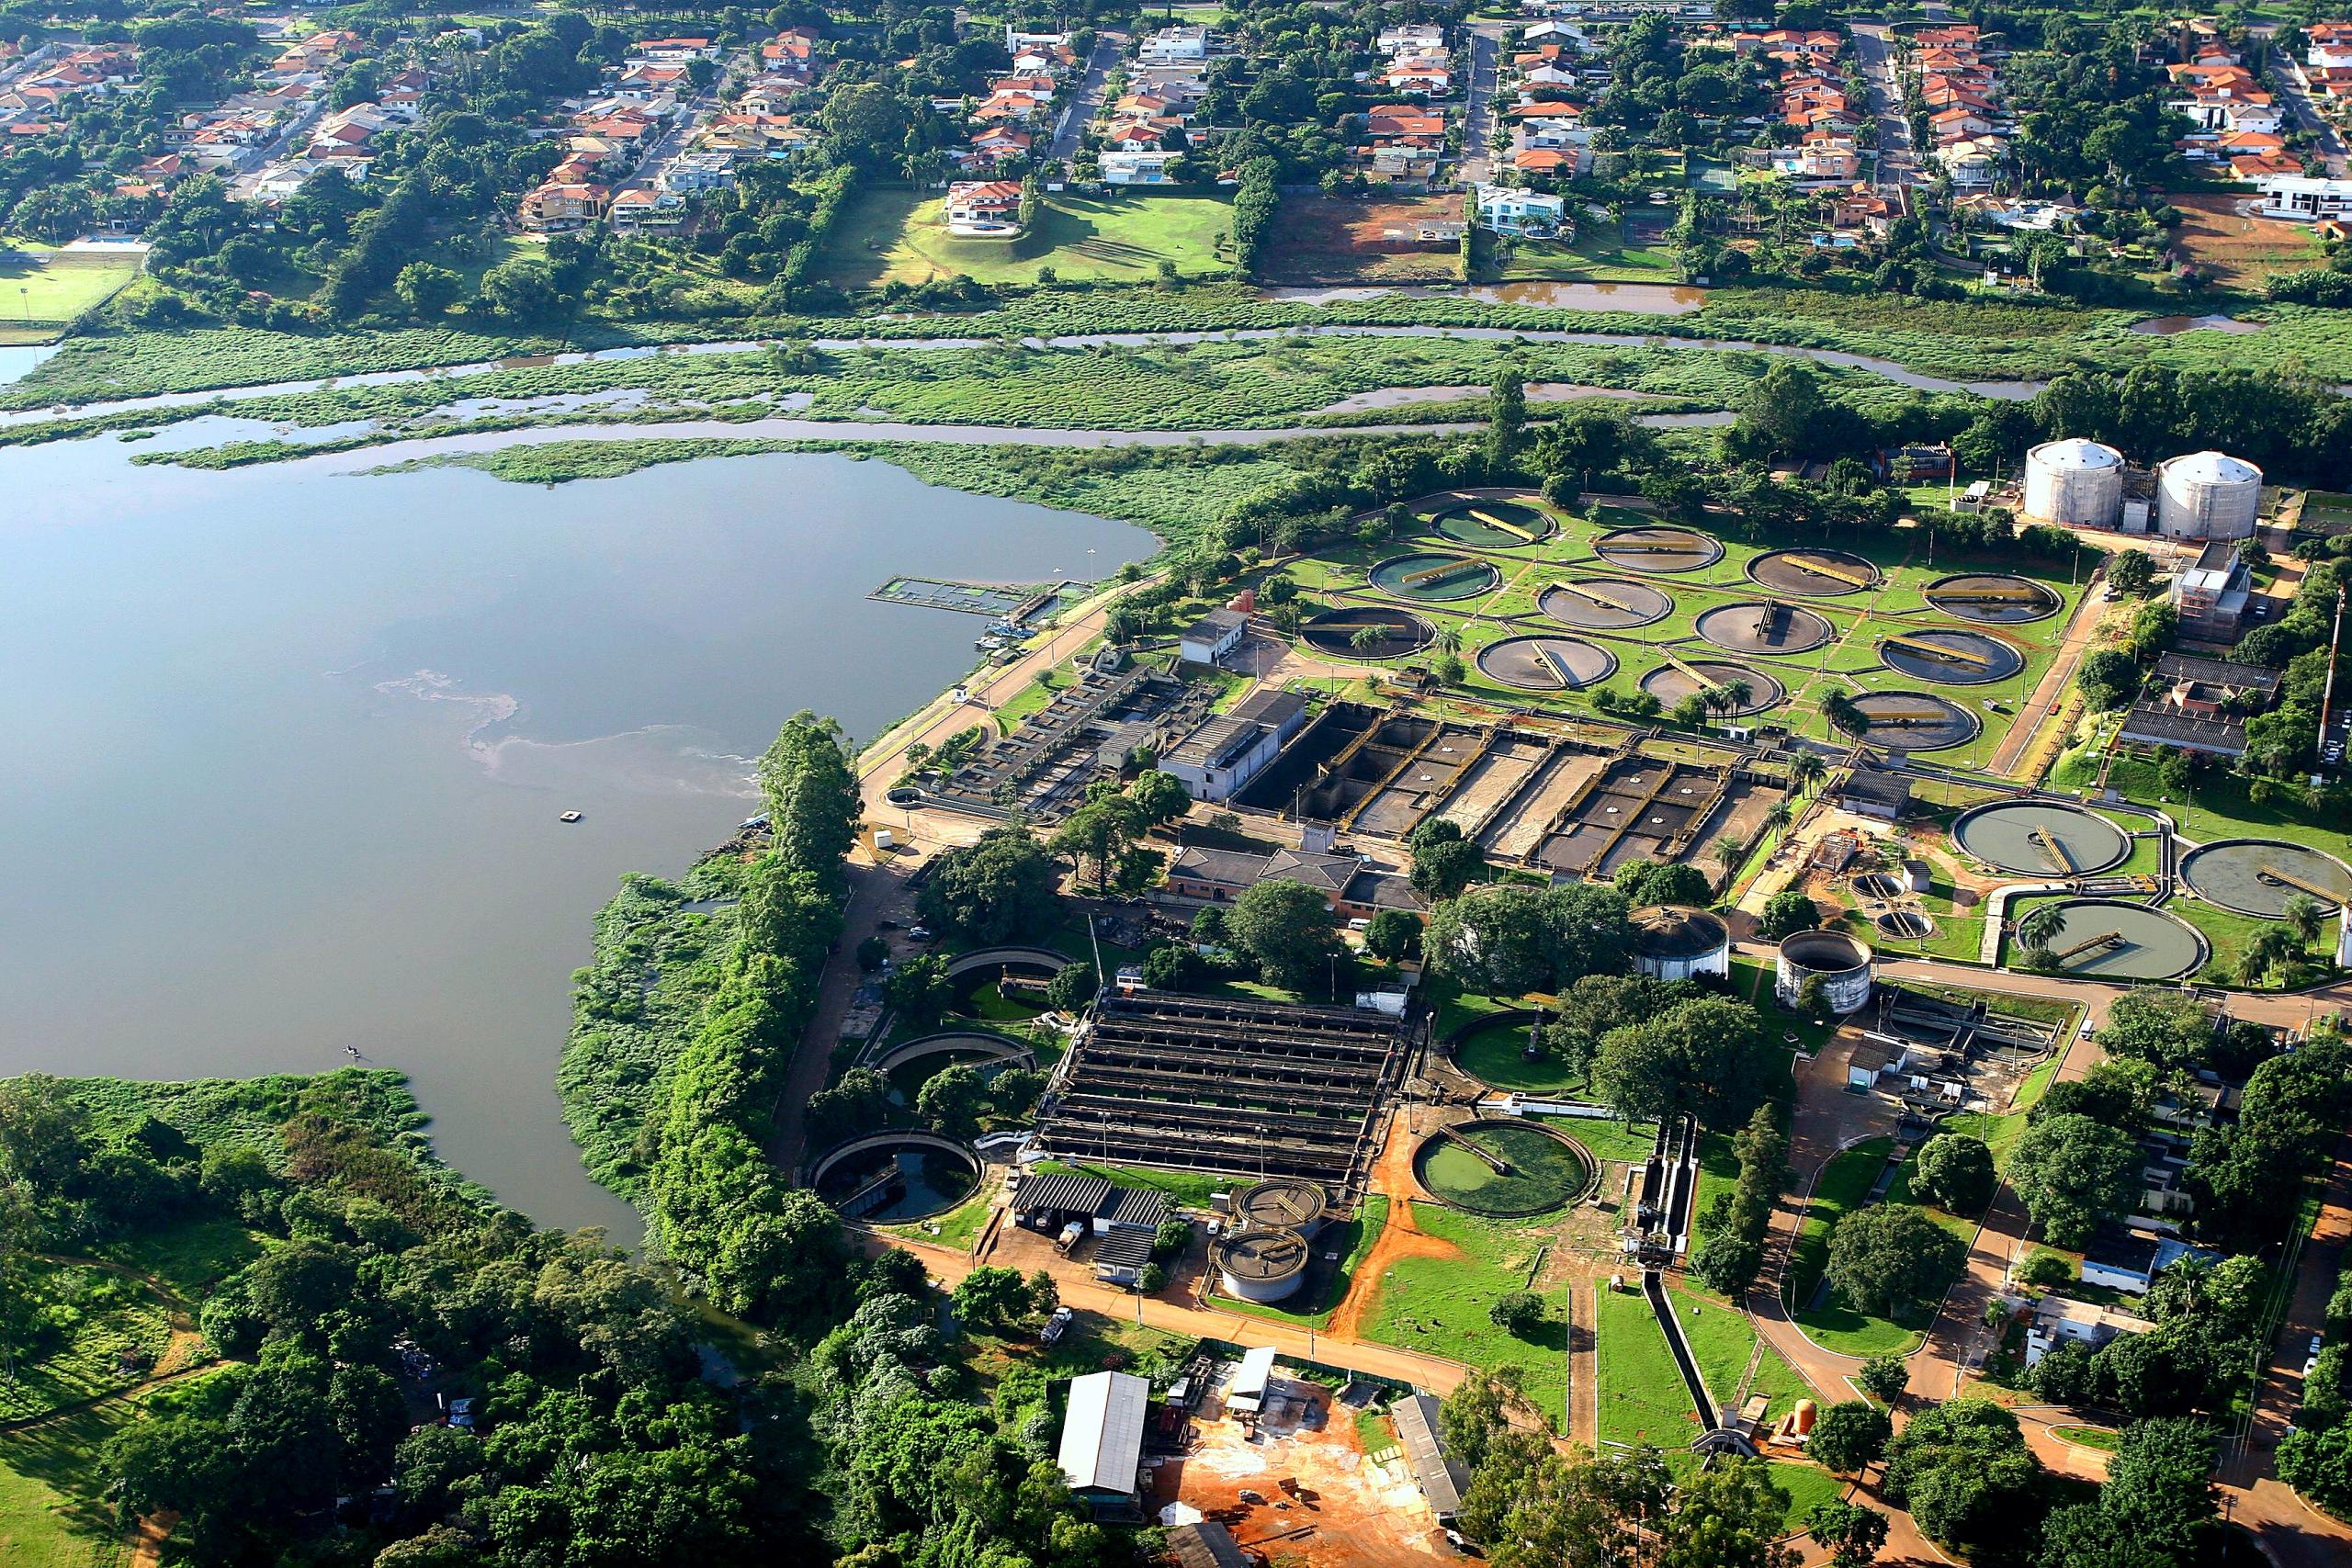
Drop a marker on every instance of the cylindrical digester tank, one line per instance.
(2208, 496)
(1260, 1264)
(1284, 1203)
(1673, 943)
(1840, 962)
(2074, 481)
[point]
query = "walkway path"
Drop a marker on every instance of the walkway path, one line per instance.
(2057, 681)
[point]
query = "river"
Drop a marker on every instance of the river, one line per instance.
(287, 745)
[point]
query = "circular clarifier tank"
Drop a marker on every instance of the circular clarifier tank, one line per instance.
(1604, 603)
(1916, 721)
(1996, 598)
(1816, 574)
(1400, 632)
(1659, 548)
(2041, 838)
(1436, 577)
(2256, 877)
(2108, 938)
(1493, 524)
(1765, 626)
(1546, 663)
(1949, 657)
(1670, 683)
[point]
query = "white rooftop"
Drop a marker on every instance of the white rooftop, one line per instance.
(2077, 453)
(1102, 1435)
(2212, 468)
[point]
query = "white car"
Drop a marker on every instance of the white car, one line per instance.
(2311, 1359)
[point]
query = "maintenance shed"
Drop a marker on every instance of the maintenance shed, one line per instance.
(1102, 1449)
(1441, 1481)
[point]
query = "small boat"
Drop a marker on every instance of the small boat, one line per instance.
(569, 816)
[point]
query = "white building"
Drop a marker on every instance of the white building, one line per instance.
(1502, 210)
(1410, 38)
(1138, 168)
(1212, 636)
(2057, 1320)
(1101, 1447)
(689, 173)
(2305, 200)
(985, 209)
(1174, 46)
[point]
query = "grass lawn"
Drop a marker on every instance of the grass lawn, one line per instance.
(1626, 1142)
(1642, 1399)
(1806, 1484)
(2105, 1438)
(107, 1332)
(40, 287)
(1724, 1341)
(954, 1228)
(900, 236)
(1352, 1240)
(192, 1255)
(2219, 808)
(1833, 1324)
(1597, 254)
(52, 1514)
(1439, 1304)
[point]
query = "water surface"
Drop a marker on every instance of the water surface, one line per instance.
(287, 745)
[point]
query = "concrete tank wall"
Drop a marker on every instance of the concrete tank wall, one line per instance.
(2208, 496)
(1842, 962)
(2074, 481)
(1254, 1287)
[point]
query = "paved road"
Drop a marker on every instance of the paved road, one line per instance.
(1874, 54)
(2287, 77)
(1485, 43)
(949, 1265)
(1108, 48)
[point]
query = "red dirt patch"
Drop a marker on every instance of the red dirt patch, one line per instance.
(2238, 250)
(1322, 239)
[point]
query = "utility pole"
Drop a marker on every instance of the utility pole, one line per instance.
(2327, 688)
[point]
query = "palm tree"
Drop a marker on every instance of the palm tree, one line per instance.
(2041, 925)
(1735, 695)
(1728, 852)
(1365, 639)
(1776, 821)
(1448, 637)
(1805, 769)
(2303, 917)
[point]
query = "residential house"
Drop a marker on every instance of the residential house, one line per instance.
(640, 210)
(1430, 75)
(1527, 213)
(674, 50)
(1138, 168)
(1976, 160)
(2305, 200)
(691, 174)
(555, 209)
(2058, 1321)
(1174, 46)
(984, 208)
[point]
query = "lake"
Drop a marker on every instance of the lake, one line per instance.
(287, 745)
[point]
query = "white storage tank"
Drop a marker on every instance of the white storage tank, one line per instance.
(2208, 496)
(1260, 1264)
(1674, 942)
(2074, 481)
(1840, 962)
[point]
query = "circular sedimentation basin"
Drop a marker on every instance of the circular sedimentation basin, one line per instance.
(1546, 663)
(931, 1180)
(1493, 524)
(2256, 877)
(1658, 549)
(1334, 631)
(1262, 1257)
(1908, 925)
(1764, 627)
(1816, 574)
(1435, 577)
(2040, 838)
(2130, 941)
(1878, 884)
(1996, 598)
(1671, 684)
(1541, 1168)
(1281, 1203)
(1916, 721)
(1949, 657)
(1604, 603)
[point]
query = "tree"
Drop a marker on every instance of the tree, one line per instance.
(993, 1299)
(1172, 966)
(2039, 928)
(997, 889)
(1780, 413)
(1786, 913)
(2108, 679)
(1517, 1313)
(2072, 1171)
(1884, 1378)
(1889, 1257)
(1507, 939)
(2159, 1025)
(1072, 987)
(2131, 572)
(427, 289)
(2317, 1464)
(952, 1100)
(1649, 882)
(859, 1103)
(2159, 1490)
(1394, 935)
(520, 290)
(1101, 830)
(1532, 1508)
(1964, 1470)
(1956, 1170)
(920, 991)
(1730, 1514)
(1853, 1534)
(1707, 1056)
(1159, 798)
(1850, 1437)
(865, 123)
(1472, 1416)
(1444, 864)
(2303, 917)
(1284, 928)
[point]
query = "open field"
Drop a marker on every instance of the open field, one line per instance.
(43, 288)
(2239, 251)
(1438, 1304)
(1642, 1399)
(1602, 252)
(1323, 238)
(900, 236)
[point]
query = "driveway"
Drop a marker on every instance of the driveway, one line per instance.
(2287, 75)
(1108, 49)
(1874, 54)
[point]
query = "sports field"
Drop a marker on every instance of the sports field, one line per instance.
(43, 288)
(900, 236)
